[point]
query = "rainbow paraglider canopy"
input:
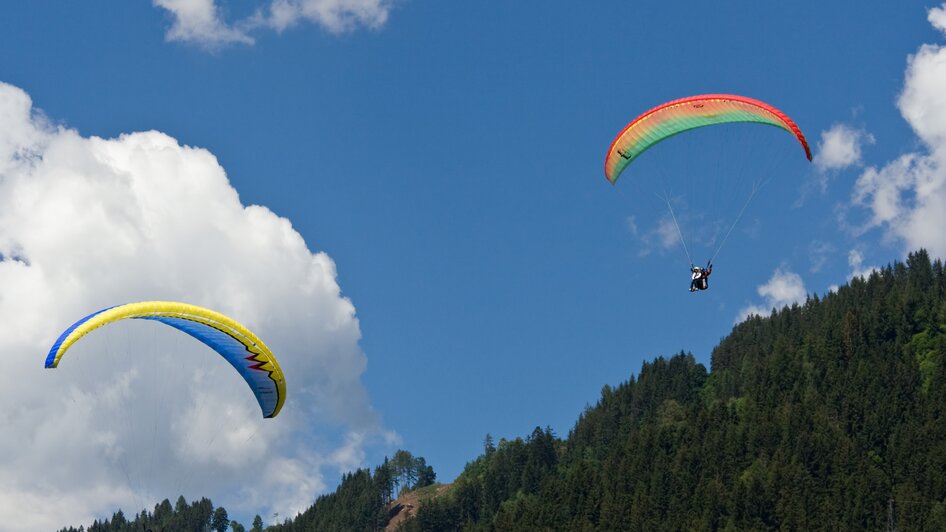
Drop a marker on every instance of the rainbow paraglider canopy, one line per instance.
(684, 114)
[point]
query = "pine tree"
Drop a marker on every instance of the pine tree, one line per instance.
(220, 520)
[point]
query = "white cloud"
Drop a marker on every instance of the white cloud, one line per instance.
(333, 15)
(666, 232)
(137, 412)
(662, 236)
(840, 147)
(783, 288)
(937, 17)
(819, 251)
(200, 21)
(907, 196)
(632, 226)
(855, 259)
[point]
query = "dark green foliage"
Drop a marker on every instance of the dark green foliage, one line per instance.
(220, 522)
(183, 517)
(357, 505)
(829, 415)
(408, 472)
(360, 502)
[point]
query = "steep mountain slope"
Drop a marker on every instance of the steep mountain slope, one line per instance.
(825, 415)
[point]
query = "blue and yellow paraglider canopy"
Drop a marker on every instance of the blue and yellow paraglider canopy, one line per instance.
(234, 342)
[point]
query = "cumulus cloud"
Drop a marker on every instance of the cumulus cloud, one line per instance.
(137, 412)
(840, 147)
(937, 17)
(907, 196)
(855, 259)
(783, 288)
(201, 21)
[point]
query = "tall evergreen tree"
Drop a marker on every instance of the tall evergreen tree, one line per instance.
(220, 521)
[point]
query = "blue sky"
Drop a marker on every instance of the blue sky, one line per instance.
(446, 159)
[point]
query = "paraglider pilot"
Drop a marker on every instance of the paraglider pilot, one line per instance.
(699, 278)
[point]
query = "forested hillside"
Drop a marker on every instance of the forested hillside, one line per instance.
(829, 415)
(360, 503)
(198, 516)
